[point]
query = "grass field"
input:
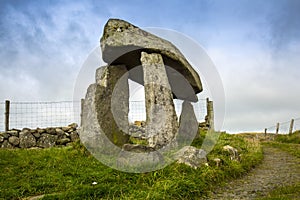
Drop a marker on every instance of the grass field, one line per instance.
(69, 173)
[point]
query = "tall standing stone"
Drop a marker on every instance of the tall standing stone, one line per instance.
(161, 119)
(112, 102)
(110, 98)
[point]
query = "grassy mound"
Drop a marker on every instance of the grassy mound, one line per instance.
(69, 173)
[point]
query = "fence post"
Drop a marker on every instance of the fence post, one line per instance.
(81, 108)
(266, 132)
(291, 127)
(277, 128)
(6, 121)
(210, 113)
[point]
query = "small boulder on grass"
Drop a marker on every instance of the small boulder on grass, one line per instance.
(192, 156)
(234, 155)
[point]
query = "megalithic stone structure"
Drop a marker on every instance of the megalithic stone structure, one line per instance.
(165, 73)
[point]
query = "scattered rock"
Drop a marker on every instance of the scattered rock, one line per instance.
(191, 156)
(233, 152)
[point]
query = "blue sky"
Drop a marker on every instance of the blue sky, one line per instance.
(255, 46)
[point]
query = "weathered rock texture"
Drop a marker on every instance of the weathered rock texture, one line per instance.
(208, 124)
(161, 119)
(123, 43)
(234, 155)
(188, 125)
(109, 98)
(42, 138)
(192, 157)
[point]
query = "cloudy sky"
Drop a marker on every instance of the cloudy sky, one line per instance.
(255, 46)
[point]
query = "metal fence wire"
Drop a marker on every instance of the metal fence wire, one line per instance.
(62, 113)
(284, 127)
(42, 114)
(137, 110)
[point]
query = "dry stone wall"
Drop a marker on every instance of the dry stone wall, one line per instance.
(39, 137)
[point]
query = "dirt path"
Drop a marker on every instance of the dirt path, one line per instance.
(277, 169)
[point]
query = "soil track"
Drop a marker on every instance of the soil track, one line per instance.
(278, 168)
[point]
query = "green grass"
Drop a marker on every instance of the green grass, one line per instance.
(284, 193)
(289, 143)
(68, 173)
(293, 138)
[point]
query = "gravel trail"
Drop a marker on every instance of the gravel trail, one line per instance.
(278, 168)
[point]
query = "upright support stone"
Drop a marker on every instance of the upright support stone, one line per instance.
(113, 117)
(6, 122)
(161, 119)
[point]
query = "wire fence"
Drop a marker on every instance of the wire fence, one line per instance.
(62, 113)
(41, 114)
(137, 110)
(285, 127)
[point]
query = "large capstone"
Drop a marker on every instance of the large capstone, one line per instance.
(161, 119)
(122, 43)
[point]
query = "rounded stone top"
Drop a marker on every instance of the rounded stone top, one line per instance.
(122, 43)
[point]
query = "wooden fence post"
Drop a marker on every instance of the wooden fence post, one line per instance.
(210, 113)
(6, 120)
(81, 110)
(291, 127)
(266, 132)
(277, 128)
